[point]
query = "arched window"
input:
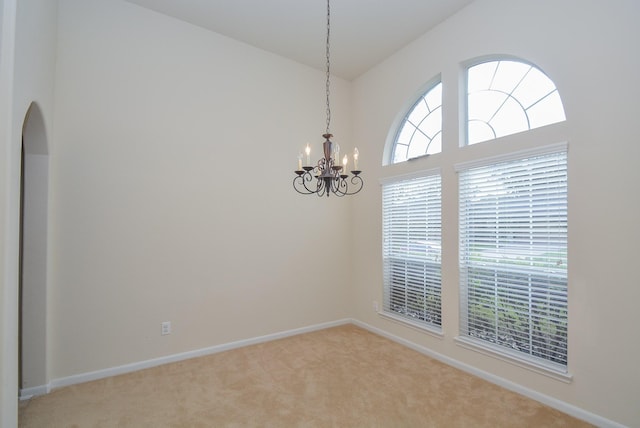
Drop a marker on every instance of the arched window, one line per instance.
(420, 132)
(513, 220)
(508, 96)
(512, 217)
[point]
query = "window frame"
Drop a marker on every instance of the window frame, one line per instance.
(398, 125)
(464, 105)
(551, 369)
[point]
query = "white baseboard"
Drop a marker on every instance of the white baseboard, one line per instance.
(534, 395)
(128, 368)
(27, 393)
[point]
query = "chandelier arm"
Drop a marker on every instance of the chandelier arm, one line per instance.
(299, 184)
(340, 187)
(357, 181)
(325, 185)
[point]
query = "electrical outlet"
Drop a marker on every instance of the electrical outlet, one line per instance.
(166, 328)
(375, 305)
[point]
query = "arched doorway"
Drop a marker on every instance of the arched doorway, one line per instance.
(33, 255)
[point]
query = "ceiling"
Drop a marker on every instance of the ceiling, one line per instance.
(363, 32)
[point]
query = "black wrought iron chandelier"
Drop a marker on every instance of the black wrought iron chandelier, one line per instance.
(330, 176)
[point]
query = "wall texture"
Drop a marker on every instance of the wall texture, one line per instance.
(595, 72)
(171, 191)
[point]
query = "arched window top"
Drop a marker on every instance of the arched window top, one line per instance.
(509, 96)
(420, 132)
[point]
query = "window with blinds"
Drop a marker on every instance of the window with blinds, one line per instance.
(411, 250)
(513, 257)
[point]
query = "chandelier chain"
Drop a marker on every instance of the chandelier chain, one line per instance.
(328, 65)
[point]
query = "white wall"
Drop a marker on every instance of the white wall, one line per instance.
(171, 191)
(34, 271)
(33, 108)
(8, 284)
(26, 76)
(589, 48)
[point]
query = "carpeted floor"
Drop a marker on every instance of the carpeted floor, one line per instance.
(338, 377)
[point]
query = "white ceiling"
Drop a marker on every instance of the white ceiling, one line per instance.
(363, 32)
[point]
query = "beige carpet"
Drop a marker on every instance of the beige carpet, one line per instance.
(338, 377)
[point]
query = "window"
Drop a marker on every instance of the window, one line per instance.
(512, 216)
(513, 257)
(420, 133)
(505, 97)
(411, 250)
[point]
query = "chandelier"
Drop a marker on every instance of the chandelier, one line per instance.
(330, 176)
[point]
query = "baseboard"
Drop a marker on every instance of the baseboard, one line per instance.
(128, 368)
(567, 408)
(27, 393)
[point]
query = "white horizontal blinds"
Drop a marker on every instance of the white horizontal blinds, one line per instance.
(513, 256)
(411, 249)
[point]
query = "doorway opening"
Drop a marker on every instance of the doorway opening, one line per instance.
(34, 189)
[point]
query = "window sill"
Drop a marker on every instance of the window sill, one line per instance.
(549, 370)
(423, 328)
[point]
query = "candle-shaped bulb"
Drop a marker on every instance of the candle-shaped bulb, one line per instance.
(308, 152)
(356, 153)
(344, 164)
(300, 162)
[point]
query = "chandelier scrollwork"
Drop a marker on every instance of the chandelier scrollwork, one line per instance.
(330, 178)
